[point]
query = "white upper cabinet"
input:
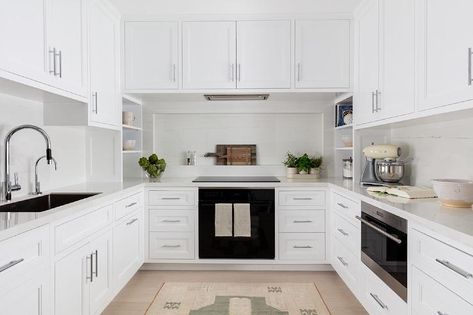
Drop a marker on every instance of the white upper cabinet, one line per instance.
(104, 27)
(151, 55)
(22, 36)
(209, 55)
(444, 35)
(367, 62)
(322, 54)
(66, 44)
(264, 54)
(385, 60)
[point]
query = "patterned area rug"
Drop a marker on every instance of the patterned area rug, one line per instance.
(238, 299)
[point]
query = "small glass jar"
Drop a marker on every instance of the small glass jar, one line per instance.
(348, 168)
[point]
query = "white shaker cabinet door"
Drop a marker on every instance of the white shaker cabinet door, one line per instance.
(209, 55)
(151, 55)
(444, 35)
(101, 285)
(366, 62)
(396, 95)
(322, 54)
(22, 36)
(72, 277)
(66, 35)
(104, 65)
(264, 54)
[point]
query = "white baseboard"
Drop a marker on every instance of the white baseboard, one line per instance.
(230, 267)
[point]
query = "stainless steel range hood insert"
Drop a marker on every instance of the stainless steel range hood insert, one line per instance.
(236, 97)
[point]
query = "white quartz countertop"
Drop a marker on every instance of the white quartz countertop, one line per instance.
(454, 223)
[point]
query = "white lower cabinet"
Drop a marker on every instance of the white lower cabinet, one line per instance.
(346, 264)
(431, 297)
(31, 298)
(83, 278)
(302, 246)
(171, 245)
(127, 247)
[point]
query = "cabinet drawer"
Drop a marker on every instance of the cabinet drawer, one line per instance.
(347, 207)
(430, 297)
(171, 221)
(75, 230)
(302, 221)
(171, 245)
(128, 205)
(378, 297)
(446, 264)
(302, 246)
(347, 234)
(22, 255)
(308, 198)
(345, 263)
(172, 197)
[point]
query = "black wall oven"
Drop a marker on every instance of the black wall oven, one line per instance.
(261, 241)
(384, 247)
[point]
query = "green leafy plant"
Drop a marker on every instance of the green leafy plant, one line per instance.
(316, 162)
(304, 163)
(153, 165)
(291, 160)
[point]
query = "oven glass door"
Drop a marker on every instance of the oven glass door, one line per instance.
(389, 255)
(261, 243)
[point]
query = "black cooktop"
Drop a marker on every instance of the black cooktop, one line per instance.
(236, 179)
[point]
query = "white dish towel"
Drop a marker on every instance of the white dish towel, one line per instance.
(223, 219)
(242, 220)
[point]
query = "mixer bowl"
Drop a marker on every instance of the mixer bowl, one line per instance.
(390, 171)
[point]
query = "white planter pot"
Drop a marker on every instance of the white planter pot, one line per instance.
(315, 172)
(290, 172)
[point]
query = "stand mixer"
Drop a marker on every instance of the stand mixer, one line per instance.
(382, 166)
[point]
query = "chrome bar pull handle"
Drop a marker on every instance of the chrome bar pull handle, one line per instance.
(378, 300)
(11, 264)
(302, 221)
(302, 247)
(52, 61)
(60, 63)
(170, 198)
(380, 231)
(342, 261)
(131, 205)
(239, 72)
(449, 265)
(302, 198)
(174, 72)
(342, 205)
(171, 221)
(96, 255)
(171, 246)
(342, 232)
(470, 76)
(132, 221)
(298, 72)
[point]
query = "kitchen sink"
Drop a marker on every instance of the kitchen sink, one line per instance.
(44, 202)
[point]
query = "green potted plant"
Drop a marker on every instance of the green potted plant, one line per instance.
(153, 166)
(304, 164)
(291, 165)
(315, 164)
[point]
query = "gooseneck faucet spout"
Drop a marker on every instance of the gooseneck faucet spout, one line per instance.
(49, 156)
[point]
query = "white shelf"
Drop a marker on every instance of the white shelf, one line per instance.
(344, 149)
(131, 151)
(131, 100)
(344, 127)
(131, 127)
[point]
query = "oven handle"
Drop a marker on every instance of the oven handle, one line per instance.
(377, 229)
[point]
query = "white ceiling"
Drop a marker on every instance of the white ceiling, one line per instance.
(163, 7)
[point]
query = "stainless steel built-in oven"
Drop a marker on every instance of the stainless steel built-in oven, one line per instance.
(384, 246)
(260, 241)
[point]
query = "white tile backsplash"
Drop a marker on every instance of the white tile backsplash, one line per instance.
(68, 146)
(440, 149)
(274, 135)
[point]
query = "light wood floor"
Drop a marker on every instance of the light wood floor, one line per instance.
(138, 294)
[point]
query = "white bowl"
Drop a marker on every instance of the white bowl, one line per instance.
(129, 145)
(347, 141)
(457, 193)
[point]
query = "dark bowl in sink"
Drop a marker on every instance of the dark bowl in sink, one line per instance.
(44, 202)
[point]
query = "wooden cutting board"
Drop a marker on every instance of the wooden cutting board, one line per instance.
(236, 154)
